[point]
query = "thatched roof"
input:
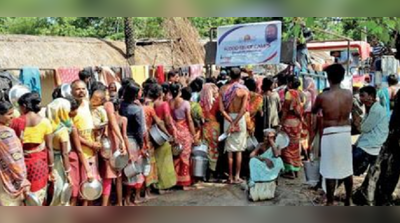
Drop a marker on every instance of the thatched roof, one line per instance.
(52, 52)
(182, 48)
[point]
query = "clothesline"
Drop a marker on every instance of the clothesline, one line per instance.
(5, 69)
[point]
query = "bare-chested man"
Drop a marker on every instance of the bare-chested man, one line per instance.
(336, 146)
(233, 106)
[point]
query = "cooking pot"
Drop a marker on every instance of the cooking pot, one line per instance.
(32, 200)
(106, 151)
(66, 90)
(66, 193)
(177, 149)
(282, 140)
(199, 166)
(118, 161)
(131, 170)
(252, 143)
(200, 150)
(16, 92)
(91, 190)
(158, 136)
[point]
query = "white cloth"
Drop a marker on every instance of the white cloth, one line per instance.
(336, 153)
(8, 200)
(236, 142)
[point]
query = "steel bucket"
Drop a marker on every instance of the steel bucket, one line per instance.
(199, 166)
(312, 173)
(201, 150)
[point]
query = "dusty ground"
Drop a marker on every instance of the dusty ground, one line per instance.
(289, 193)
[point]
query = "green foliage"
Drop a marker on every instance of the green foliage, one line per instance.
(100, 27)
(380, 28)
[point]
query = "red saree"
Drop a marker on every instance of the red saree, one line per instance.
(293, 126)
(182, 163)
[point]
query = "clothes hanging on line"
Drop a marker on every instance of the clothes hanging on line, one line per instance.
(67, 75)
(30, 76)
(140, 73)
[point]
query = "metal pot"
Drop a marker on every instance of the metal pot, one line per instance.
(91, 190)
(146, 166)
(131, 170)
(66, 193)
(199, 166)
(282, 140)
(201, 150)
(177, 149)
(32, 200)
(252, 143)
(66, 90)
(16, 92)
(106, 151)
(158, 136)
(118, 161)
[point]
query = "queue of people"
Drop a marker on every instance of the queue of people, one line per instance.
(63, 145)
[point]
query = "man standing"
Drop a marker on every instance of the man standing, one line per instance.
(374, 132)
(336, 145)
(233, 106)
(83, 121)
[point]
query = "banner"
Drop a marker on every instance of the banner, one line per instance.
(245, 44)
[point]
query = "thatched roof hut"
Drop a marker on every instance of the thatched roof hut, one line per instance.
(53, 52)
(181, 49)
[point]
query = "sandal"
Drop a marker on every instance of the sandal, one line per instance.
(239, 181)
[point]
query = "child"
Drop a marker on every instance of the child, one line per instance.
(122, 123)
(99, 114)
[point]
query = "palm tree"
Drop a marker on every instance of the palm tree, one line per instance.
(129, 39)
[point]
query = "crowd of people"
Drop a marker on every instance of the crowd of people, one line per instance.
(62, 143)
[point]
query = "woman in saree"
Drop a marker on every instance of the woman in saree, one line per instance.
(255, 105)
(209, 101)
(14, 182)
(58, 112)
(151, 119)
(185, 136)
(163, 154)
(196, 110)
(136, 129)
(36, 136)
(292, 122)
(311, 93)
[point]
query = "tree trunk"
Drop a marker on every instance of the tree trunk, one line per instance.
(382, 178)
(129, 39)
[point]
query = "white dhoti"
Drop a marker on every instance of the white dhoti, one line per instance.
(336, 153)
(237, 141)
